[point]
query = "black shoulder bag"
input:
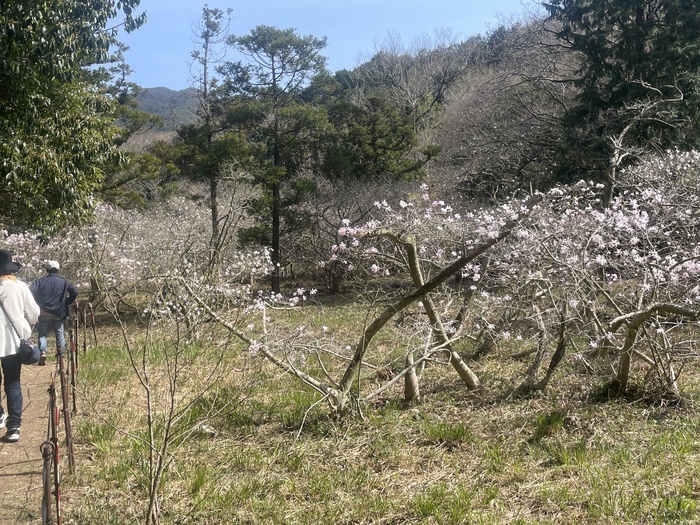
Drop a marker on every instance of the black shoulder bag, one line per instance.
(65, 307)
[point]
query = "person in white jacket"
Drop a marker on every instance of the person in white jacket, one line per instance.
(21, 307)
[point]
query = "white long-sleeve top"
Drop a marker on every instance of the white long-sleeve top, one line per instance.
(23, 310)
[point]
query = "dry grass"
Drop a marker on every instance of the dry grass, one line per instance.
(569, 455)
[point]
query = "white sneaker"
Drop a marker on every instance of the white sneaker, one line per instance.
(3, 420)
(12, 435)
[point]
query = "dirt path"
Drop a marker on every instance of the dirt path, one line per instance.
(20, 463)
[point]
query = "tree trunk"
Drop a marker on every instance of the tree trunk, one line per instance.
(411, 388)
(465, 373)
(214, 247)
(275, 255)
(633, 321)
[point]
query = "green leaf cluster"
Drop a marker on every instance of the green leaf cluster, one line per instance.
(51, 161)
(56, 133)
(371, 141)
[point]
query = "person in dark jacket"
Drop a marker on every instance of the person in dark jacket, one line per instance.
(54, 295)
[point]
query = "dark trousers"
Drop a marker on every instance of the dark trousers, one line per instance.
(11, 370)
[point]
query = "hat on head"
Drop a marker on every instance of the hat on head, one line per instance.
(7, 265)
(52, 265)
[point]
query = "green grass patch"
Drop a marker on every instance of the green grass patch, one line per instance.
(278, 456)
(448, 433)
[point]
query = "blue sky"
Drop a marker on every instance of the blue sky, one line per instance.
(160, 51)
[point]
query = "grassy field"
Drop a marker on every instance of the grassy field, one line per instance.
(258, 447)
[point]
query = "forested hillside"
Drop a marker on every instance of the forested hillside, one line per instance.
(176, 108)
(519, 108)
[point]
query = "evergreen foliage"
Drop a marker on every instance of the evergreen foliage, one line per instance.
(56, 131)
(634, 56)
(278, 67)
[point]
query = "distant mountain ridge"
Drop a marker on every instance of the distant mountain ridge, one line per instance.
(176, 108)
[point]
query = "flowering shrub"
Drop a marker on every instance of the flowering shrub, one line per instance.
(599, 271)
(131, 252)
(441, 235)
(611, 270)
(566, 272)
